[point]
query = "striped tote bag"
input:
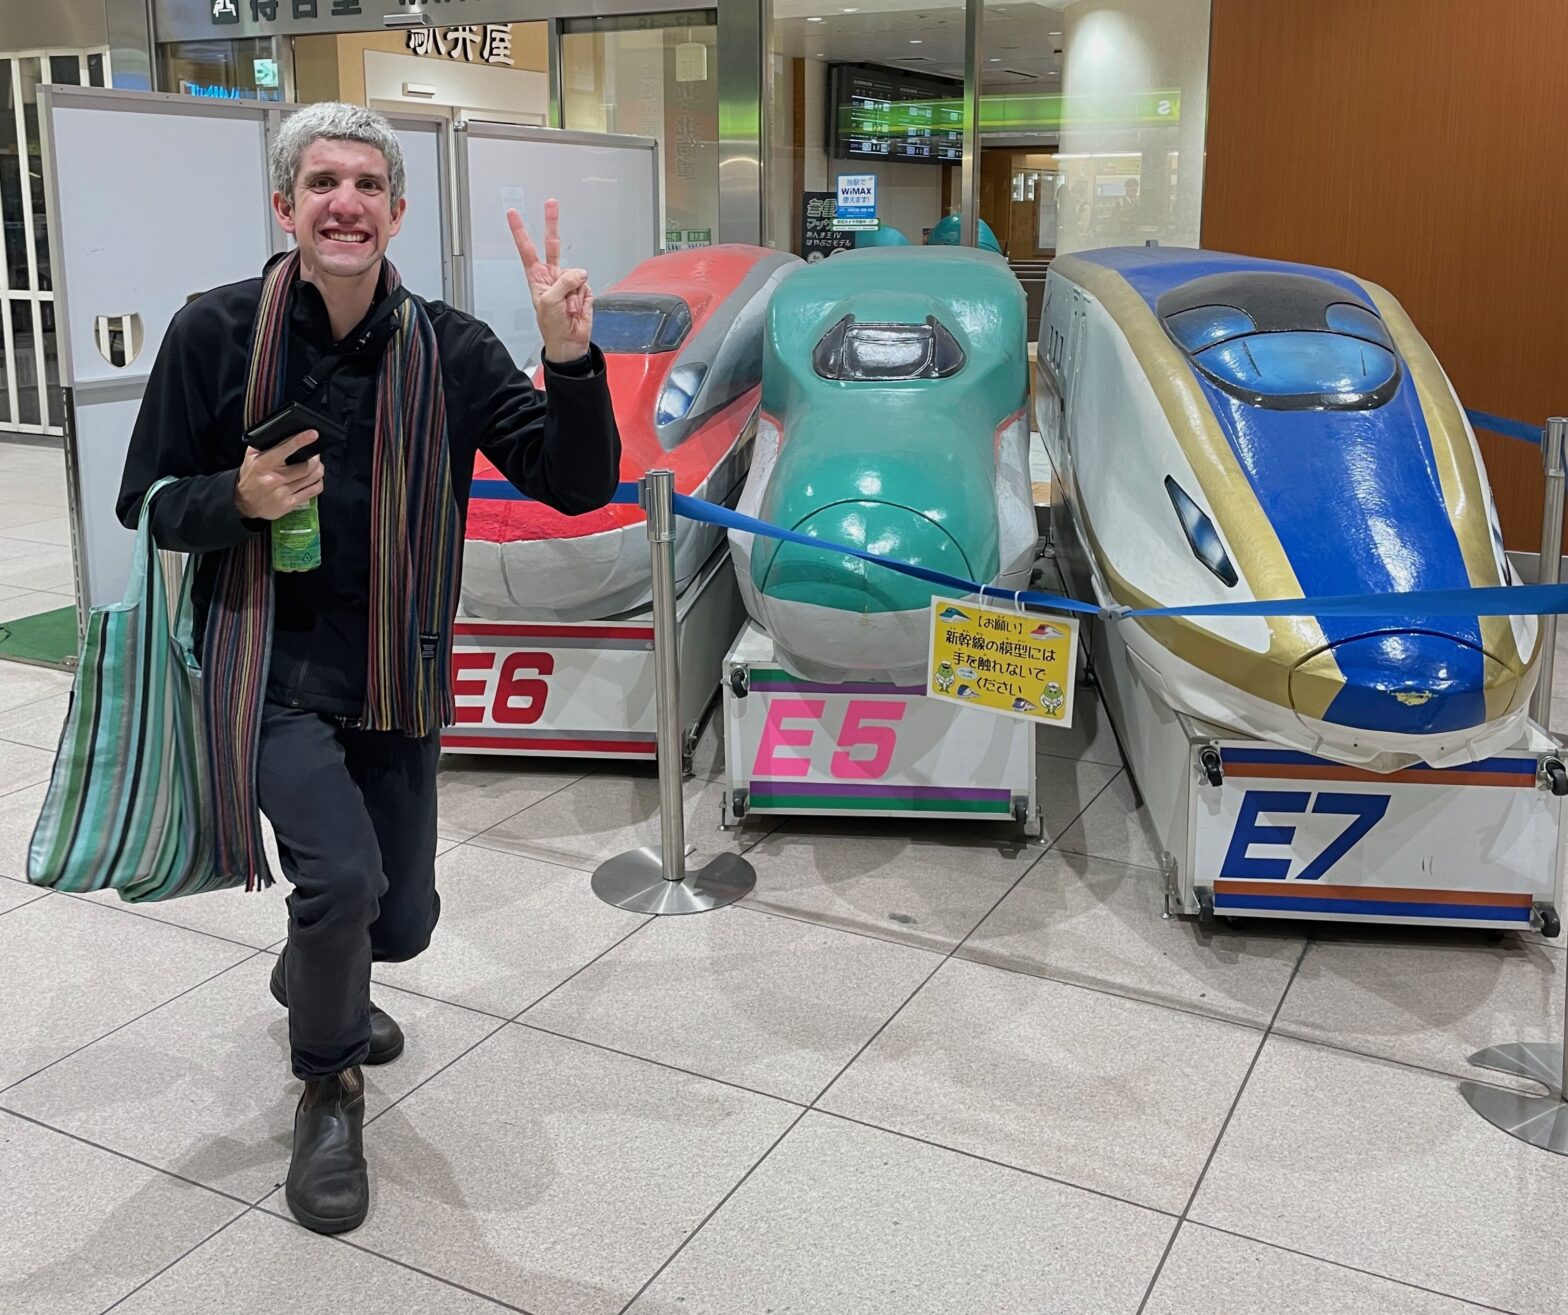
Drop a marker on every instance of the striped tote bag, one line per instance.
(128, 807)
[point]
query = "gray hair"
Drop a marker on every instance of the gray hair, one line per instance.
(339, 122)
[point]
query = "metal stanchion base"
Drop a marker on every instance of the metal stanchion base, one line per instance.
(1540, 1120)
(635, 881)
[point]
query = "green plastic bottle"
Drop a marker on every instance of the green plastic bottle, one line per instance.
(296, 539)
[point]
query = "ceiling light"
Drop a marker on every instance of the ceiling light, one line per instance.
(916, 41)
(813, 20)
(995, 59)
(849, 11)
(1053, 34)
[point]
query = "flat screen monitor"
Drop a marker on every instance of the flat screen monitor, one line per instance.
(880, 113)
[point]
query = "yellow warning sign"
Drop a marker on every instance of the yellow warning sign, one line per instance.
(1020, 664)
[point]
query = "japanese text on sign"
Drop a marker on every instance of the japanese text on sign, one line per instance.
(1016, 663)
(487, 43)
(266, 11)
(857, 196)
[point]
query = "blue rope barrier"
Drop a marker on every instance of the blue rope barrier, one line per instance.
(1514, 600)
(1503, 600)
(1508, 428)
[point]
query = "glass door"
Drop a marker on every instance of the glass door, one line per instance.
(653, 75)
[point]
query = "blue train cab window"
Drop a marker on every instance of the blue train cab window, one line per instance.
(883, 353)
(640, 325)
(1286, 342)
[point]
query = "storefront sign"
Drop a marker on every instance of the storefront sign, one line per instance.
(486, 43)
(196, 20)
(819, 239)
(1020, 664)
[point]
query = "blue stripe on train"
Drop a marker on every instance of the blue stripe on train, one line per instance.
(1386, 908)
(1357, 504)
(1290, 758)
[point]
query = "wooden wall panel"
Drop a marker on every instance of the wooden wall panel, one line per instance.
(1422, 144)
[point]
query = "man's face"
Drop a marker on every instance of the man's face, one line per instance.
(341, 212)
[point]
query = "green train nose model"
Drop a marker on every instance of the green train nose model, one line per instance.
(894, 419)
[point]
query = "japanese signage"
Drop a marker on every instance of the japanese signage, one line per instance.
(488, 43)
(857, 196)
(1020, 664)
(195, 20)
(818, 238)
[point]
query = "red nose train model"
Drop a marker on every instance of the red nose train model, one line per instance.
(682, 338)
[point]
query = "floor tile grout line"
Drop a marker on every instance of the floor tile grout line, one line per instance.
(177, 1260)
(946, 958)
(11, 1086)
(38, 894)
(659, 1063)
(500, 1024)
(578, 971)
(433, 999)
(127, 1156)
(703, 1222)
(1190, 1011)
(1224, 1128)
(1045, 849)
(999, 1164)
(121, 906)
(594, 771)
(1354, 1269)
(745, 906)
(511, 817)
(364, 1248)
(1389, 1061)
(886, 1023)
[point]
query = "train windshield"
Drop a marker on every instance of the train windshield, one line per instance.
(882, 353)
(1284, 342)
(640, 325)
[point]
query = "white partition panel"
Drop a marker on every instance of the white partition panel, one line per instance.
(154, 199)
(608, 187)
(422, 249)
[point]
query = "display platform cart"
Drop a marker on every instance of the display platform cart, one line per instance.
(586, 689)
(866, 750)
(1251, 829)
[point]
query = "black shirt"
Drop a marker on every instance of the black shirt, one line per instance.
(564, 452)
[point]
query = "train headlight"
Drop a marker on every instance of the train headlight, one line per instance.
(678, 393)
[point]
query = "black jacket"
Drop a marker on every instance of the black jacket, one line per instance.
(565, 453)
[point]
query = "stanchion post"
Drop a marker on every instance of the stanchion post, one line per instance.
(1554, 439)
(651, 880)
(1539, 1120)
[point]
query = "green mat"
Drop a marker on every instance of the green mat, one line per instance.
(48, 639)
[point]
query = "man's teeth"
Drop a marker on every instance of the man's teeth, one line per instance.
(347, 237)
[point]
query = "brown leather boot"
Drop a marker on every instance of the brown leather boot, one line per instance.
(328, 1187)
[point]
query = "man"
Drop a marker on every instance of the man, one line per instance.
(325, 690)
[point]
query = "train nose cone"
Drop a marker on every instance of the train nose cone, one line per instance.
(1407, 682)
(832, 580)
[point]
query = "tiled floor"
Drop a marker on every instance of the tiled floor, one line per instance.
(920, 1070)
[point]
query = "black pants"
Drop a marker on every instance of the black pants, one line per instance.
(355, 816)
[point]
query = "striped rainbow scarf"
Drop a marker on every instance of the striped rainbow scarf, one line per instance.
(415, 556)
